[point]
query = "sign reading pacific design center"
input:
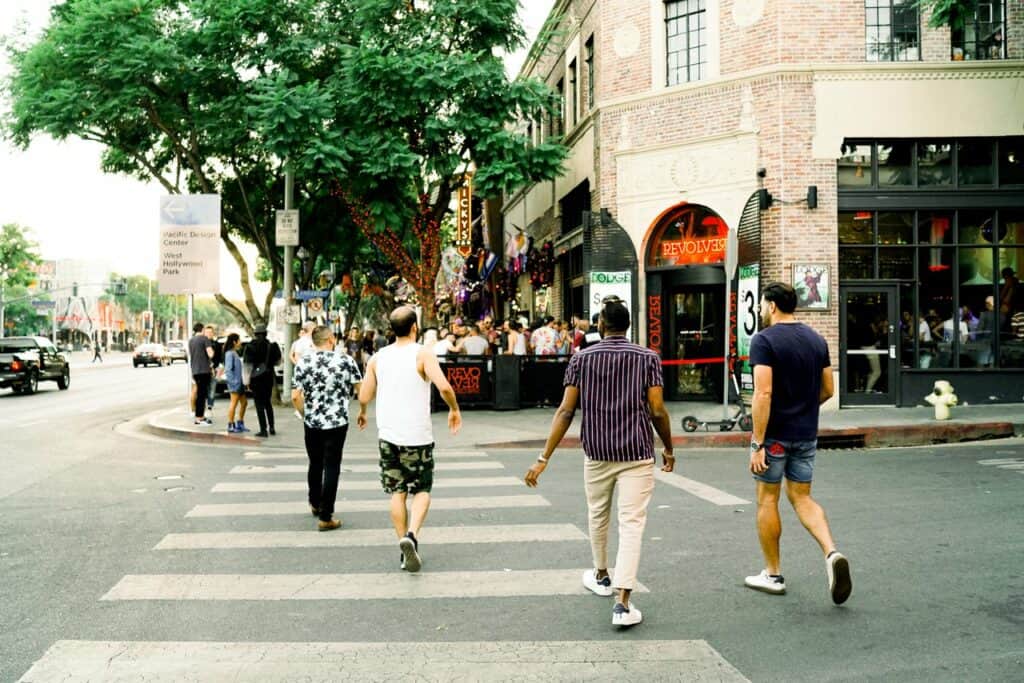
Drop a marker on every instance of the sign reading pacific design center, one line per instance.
(189, 244)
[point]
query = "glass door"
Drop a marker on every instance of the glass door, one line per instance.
(695, 349)
(869, 338)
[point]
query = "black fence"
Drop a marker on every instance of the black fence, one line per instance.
(504, 382)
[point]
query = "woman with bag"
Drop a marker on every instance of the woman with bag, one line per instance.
(233, 377)
(264, 355)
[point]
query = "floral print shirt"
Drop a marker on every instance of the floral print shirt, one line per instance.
(327, 381)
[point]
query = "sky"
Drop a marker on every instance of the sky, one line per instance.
(75, 211)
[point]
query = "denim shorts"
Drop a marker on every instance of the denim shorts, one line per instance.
(795, 459)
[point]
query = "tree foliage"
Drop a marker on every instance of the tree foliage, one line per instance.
(18, 256)
(951, 13)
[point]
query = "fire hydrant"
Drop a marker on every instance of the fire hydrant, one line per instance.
(942, 397)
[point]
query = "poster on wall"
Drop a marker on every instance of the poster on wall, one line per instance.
(747, 294)
(189, 244)
(811, 282)
(607, 284)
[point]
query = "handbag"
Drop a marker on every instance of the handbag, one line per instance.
(263, 368)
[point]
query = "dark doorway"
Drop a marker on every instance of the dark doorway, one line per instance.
(695, 345)
(870, 345)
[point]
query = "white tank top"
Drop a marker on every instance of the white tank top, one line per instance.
(519, 346)
(403, 397)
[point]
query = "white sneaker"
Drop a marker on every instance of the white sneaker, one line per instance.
(776, 585)
(626, 616)
(602, 587)
(840, 585)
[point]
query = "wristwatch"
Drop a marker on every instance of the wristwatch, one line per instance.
(755, 446)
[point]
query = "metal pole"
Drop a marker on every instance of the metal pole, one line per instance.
(3, 305)
(188, 375)
(728, 332)
(289, 286)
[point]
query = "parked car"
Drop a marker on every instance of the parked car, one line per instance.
(177, 351)
(151, 354)
(27, 361)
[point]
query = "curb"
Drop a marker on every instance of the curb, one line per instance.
(151, 427)
(849, 437)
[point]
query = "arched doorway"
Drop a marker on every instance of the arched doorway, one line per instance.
(684, 259)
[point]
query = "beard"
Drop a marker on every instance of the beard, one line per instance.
(766, 320)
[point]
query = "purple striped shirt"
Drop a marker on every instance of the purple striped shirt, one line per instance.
(613, 377)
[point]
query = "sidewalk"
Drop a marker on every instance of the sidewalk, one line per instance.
(82, 360)
(528, 428)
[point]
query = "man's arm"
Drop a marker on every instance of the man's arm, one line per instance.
(366, 391)
(761, 410)
(827, 385)
(432, 371)
(559, 426)
(299, 401)
(662, 422)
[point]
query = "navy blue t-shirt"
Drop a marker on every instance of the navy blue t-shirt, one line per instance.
(797, 355)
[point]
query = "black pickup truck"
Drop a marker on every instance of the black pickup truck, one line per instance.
(27, 361)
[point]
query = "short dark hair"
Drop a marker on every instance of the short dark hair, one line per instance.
(320, 335)
(231, 342)
(593, 318)
(402, 319)
(1006, 272)
(548, 319)
(780, 294)
(198, 327)
(615, 316)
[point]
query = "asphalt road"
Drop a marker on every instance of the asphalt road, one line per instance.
(934, 537)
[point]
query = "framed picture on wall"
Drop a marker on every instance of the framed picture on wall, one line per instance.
(812, 282)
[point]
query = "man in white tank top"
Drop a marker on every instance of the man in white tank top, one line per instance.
(399, 377)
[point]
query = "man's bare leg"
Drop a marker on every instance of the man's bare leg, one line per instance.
(420, 507)
(769, 526)
(811, 515)
(399, 514)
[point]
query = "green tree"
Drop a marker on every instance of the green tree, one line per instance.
(18, 256)
(419, 99)
(951, 13)
(168, 88)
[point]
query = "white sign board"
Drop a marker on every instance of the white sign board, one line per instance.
(287, 228)
(189, 244)
(603, 285)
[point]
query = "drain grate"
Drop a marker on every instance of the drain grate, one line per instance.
(838, 441)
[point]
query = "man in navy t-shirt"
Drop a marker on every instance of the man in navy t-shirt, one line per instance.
(792, 378)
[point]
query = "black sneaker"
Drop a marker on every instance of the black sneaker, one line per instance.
(410, 553)
(272, 432)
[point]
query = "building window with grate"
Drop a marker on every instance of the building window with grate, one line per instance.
(893, 29)
(558, 116)
(686, 32)
(983, 35)
(589, 57)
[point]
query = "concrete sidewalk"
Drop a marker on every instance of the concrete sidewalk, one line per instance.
(528, 428)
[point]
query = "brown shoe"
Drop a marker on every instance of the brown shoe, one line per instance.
(327, 526)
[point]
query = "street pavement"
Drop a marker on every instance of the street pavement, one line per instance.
(126, 556)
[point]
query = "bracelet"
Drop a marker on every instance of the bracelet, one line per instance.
(541, 458)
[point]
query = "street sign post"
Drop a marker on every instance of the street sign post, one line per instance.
(286, 232)
(189, 244)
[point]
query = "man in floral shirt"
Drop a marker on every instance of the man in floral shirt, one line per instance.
(324, 383)
(544, 339)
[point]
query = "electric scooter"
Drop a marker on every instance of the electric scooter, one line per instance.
(741, 417)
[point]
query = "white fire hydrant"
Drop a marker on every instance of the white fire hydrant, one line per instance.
(942, 397)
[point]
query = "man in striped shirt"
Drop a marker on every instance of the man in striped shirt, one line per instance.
(618, 385)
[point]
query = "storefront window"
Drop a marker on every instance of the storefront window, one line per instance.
(895, 163)
(856, 227)
(935, 227)
(856, 264)
(934, 164)
(975, 163)
(977, 227)
(1011, 161)
(896, 263)
(896, 228)
(935, 277)
(855, 166)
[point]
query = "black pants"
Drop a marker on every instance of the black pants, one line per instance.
(323, 447)
(202, 388)
(261, 391)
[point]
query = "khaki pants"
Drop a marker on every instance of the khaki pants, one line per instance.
(635, 480)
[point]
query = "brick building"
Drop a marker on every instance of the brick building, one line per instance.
(873, 161)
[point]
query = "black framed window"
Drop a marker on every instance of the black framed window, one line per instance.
(555, 124)
(588, 55)
(983, 35)
(893, 30)
(686, 33)
(933, 165)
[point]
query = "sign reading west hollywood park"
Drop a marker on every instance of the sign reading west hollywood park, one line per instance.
(189, 244)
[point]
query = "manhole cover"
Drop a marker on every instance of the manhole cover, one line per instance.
(176, 489)
(168, 477)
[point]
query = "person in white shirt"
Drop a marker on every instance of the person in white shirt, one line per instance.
(399, 378)
(473, 344)
(304, 344)
(447, 346)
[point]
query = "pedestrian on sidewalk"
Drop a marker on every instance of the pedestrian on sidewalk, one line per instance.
(236, 387)
(399, 377)
(263, 355)
(200, 358)
(304, 344)
(324, 383)
(619, 448)
(216, 367)
(96, 352)
(792, 378)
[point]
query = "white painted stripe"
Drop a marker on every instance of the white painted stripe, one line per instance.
(1014, 466)
(344, 538)
(998, 461)
(356, 586)
(696, 488)
(300, 508)
(365, 485)
(77, 661)
(347, 456)
(364, 469)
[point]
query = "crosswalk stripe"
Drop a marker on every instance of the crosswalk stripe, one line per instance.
(504, 533)
(379, 505)
(1012, 466)
(365, 485)
(277, 662)
(364, 469)
(355, 586)
(359, 455)
(701, 490)
(998, 461)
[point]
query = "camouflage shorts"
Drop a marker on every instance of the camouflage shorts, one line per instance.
(406, 469)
